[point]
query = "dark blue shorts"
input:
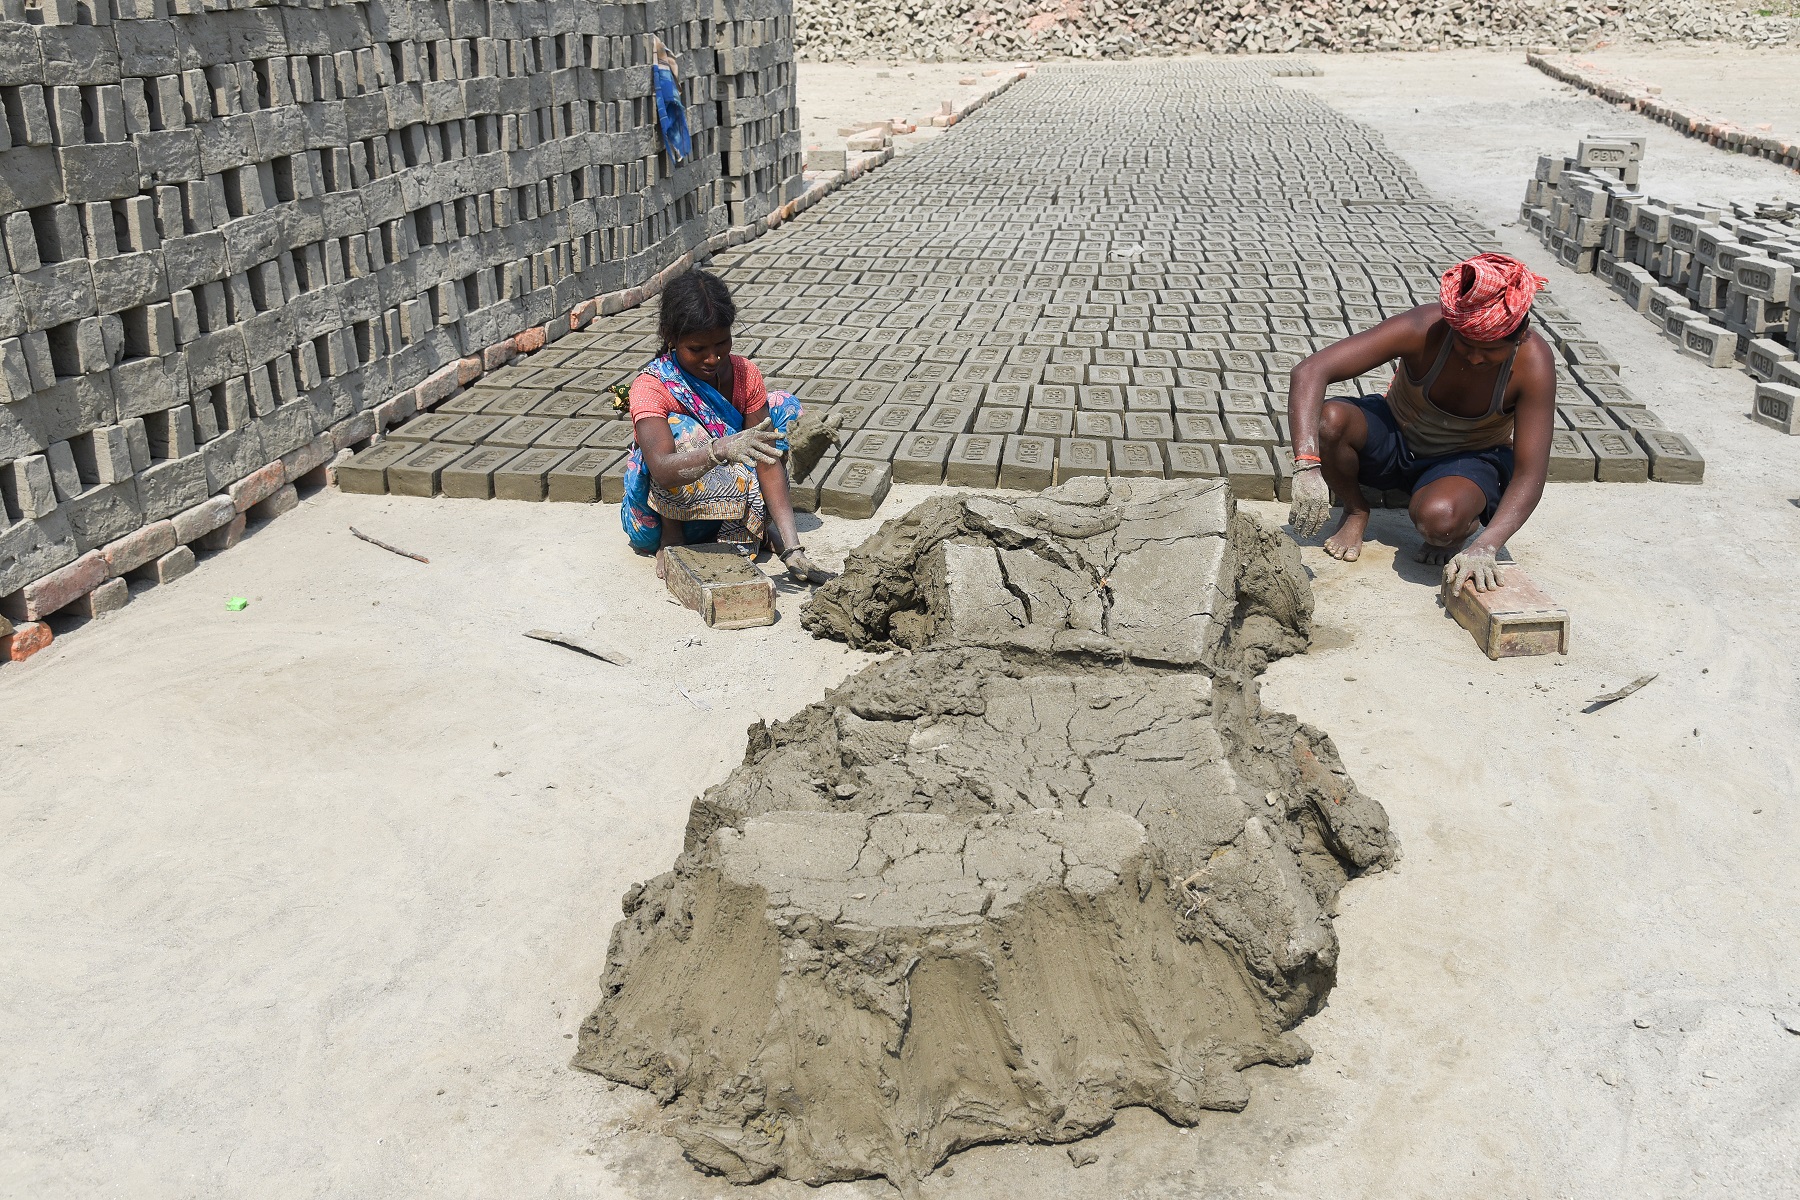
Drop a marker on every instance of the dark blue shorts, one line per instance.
(1388, 465)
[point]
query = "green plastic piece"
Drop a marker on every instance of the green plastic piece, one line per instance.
(237, 604)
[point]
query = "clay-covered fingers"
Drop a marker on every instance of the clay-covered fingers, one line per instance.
(1311, 503)
(1477, 568)
(803, 570)
(753, 447)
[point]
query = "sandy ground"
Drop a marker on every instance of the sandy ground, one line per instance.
(306, 900)
(1750, 88)
(836, 96)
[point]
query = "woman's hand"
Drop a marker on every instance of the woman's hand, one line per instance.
(801, 569)
(753, 447)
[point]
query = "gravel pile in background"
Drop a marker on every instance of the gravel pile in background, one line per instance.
(936, 30)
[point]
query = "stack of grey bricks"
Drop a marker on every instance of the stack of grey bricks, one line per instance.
(1722, 282)
(234, 232)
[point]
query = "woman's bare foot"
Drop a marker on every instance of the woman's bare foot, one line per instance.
(662, 564)
(1346, 540)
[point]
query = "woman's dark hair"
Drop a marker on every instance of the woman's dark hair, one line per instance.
(693, 302)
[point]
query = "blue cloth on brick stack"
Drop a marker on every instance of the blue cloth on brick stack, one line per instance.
(671, 116)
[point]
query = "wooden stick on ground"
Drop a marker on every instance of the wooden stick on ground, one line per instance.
(390, 549)
(616, 657)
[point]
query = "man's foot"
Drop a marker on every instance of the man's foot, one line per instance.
(1345, 542)
(1436, 556)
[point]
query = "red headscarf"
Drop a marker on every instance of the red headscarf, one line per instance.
(1485, 298)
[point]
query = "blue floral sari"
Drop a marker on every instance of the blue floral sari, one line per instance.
(725, 504)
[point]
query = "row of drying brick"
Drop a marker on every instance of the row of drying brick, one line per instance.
(1647, 99)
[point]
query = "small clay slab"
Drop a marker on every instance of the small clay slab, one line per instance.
(975, 460)
(961, 391)
(855, 488)
(1101, 398)
(417, 473)
(876, 444)
(1099, 425)
(576, 479)
(471, 477)
(1617, 457)
(1238, 401)
(727, 589)
(1052, 395)
(1586, 419)
(1009, 394)
(1673, 458)
(1570, 459)
(894, 418)
(520, 432)
(523, 476)
(1199, 427)
(866, 391)
(1138, 460)
(1149, 427)
(514, 402)
(1149, 399)
(950, 418)
(472, 430)
(366, 474)
(1079, 456)
(1195, 400)
(570, 433)
(1188, 460)
(565, 404)
(424, 428)
(1251, 471)
(998, 422)
(613, 435)
(1028, 463)
(921, 456)
(612, 481)
(805, 492)
(1251, 429)
(1777, 405)
(1050, 422)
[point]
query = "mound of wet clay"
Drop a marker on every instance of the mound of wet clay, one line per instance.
(1053, 861)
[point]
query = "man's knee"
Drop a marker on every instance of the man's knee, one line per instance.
(1438, 518)
(1334, 421)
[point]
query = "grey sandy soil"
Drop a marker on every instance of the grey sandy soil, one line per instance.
(302, 900)
(1750, 87)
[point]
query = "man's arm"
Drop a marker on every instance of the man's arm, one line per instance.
(1534, 420)
(1394, 338)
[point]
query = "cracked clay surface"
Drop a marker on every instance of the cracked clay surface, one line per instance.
(1053, 862)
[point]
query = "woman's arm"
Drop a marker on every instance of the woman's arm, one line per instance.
(672, 468)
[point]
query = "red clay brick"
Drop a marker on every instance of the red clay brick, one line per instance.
(499, 354)
(257, 486)
(139, 547)
(41, 597)
(25, 640)
(529, 341)
(468, 370)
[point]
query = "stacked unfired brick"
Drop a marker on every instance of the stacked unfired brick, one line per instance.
(1722, 282)
(950, 29)
(240, 239)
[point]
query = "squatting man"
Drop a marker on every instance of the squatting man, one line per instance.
(1465, 425)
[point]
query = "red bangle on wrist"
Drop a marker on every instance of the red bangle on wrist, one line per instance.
(1312, 458)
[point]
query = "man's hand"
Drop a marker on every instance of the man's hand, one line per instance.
(1312, 501)
(1475, 564)
(753, 447)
